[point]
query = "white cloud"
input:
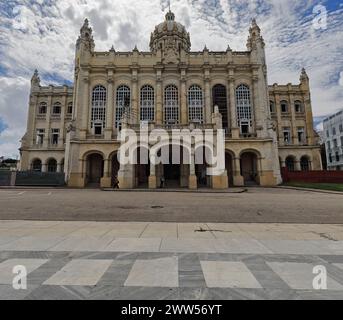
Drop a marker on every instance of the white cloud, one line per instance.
(48, 31)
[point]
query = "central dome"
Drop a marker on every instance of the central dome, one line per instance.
(170, 34)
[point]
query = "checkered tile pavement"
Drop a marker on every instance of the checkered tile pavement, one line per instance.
(130, 275)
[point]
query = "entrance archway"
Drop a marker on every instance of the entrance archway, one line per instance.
(176, 175)
(95, 169)
(290, 163)
(249, 168)
(229, 167)
(142, 168)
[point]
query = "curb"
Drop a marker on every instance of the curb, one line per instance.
(176, 191)
(310, 190)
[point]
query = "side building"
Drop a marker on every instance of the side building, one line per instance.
(333, 137)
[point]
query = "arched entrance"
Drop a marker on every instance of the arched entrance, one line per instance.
(219, 98)
(201, 165)
(175, 173)
(52, 165)
(142, 168)
(36, 165)
(249, 168)
(290, 164)
(305, 163)
(95, 169)
(229, 167)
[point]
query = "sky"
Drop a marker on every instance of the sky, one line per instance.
(42, 34)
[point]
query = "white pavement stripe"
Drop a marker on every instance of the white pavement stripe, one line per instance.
(154, 273)
(300, 276)
(222, 274)
(6, 268)
(80, 273)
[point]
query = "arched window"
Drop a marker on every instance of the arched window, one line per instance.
(123, 103)
(70, 108)
(219, 98)
(42, 108)
(244, 112)
(52, 165)
(57, 108)
(290, 164)
(284, 106)
(305, 164)
(36, 165)
(298, 106)
(171, 105)
(147, 103)
(272, 106)
(195, 104)
(98, 118)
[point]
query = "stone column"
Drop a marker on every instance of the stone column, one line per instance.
(233, 110)
(109, 107)
(294, 123)
(135, 107)
(208, 106)
(192, 180)
(85, 107)
(106, 179)
(47, 134)
(62, 125)
(184, 115)
(152, 177)
(309, 121)
(279, 119)
(238, 179)
(159, 97)
(256, 112)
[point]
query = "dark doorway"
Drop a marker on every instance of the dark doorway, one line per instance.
(142, 167)
(229, 167)
(219, 98)
(249, 168)
(95, 168)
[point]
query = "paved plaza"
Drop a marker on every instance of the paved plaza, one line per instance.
(142, 260)
(242, 244)
(259, 205)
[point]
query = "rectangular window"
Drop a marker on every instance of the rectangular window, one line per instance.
(301, 135)
(341, 128)
(327, 134)
(55, 134)
(337, 157)
(330, 158)
(329, 145)
(335, 144)
(40, 136)
(98, 129)
(334, 131)
(245, 127)
(287, 135)
(342, 142)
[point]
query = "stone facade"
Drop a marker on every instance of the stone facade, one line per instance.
(170, 87)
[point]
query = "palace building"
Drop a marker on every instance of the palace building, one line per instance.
(75, 130)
